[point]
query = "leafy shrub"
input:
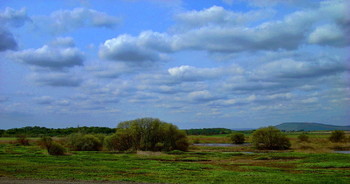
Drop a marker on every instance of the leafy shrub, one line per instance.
(303, 138)
(237, 138)
(22, 140)
(148, 134)
(100, 137)
(45, 142)
(83, 142)
(56, 149)
(270, 138)
(337, 136)
(120, 141)
(53, 148)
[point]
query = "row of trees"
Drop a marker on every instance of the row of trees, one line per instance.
(37, 131)
(208, 131)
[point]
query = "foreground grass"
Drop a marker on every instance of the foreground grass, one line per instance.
(192, 167)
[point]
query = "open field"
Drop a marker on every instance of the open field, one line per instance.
(313, 163)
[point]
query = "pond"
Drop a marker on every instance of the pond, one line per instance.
(344, 152)
(221, 144)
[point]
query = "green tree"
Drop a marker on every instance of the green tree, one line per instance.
(270, 138)
(149, 134)
(337, 136)
(237, 138)
(84, 142)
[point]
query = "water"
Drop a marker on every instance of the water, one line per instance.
(221, 144)
(344, 152)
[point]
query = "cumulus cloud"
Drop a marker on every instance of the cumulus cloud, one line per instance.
(15, 18)
(217, 15)
(67, 20)
(215, 37)
(11, 18)
(7, 40)
(289, 68)
(218, 30)
(56, 79)
(201, 96)
(54, 58)
(190, 73)
(129, 49)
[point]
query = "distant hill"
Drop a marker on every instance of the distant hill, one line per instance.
(303, 126)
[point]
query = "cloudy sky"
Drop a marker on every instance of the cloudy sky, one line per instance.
(197, 64)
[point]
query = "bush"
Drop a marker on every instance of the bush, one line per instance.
(83, 142)
(45, 142)
(303, 138)
(337, 136)
(120, 141)
(22, 140)
(270, 138)
(148, 134)
(237, 138)
(56, 149)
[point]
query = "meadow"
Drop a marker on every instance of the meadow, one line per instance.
(312, 162)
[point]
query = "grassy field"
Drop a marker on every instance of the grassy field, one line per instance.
(312, 162)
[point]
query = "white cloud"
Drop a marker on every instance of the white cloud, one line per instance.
(128, 49)
(190, 73)
(201, 96)
(67, 20)
(329, 34)
(217, 15)
(15, 18)
(7, 40)
(54, 58)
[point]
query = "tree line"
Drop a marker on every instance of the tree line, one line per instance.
(36, 131)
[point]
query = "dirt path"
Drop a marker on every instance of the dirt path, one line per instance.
(4, 180)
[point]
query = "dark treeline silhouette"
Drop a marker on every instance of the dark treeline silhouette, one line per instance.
(37, 131)
(208, 131)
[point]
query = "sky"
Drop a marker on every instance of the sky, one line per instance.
(197, 64)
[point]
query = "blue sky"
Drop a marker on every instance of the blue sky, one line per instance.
(197, 64)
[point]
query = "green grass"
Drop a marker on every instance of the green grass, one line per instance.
(187, 167)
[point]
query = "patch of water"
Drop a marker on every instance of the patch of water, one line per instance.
(344, 152)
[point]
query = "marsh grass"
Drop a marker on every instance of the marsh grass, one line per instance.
(196, 166)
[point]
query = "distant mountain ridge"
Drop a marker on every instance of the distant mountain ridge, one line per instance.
(306, 126)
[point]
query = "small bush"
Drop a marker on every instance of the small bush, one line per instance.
(81, 142)
(120, 141)
(182, 144)
(149, 134)
(22, 140)
(45, 142)
(270, 138)
(303, 138)
(337, 136)
(237, 138)
(56, 149)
